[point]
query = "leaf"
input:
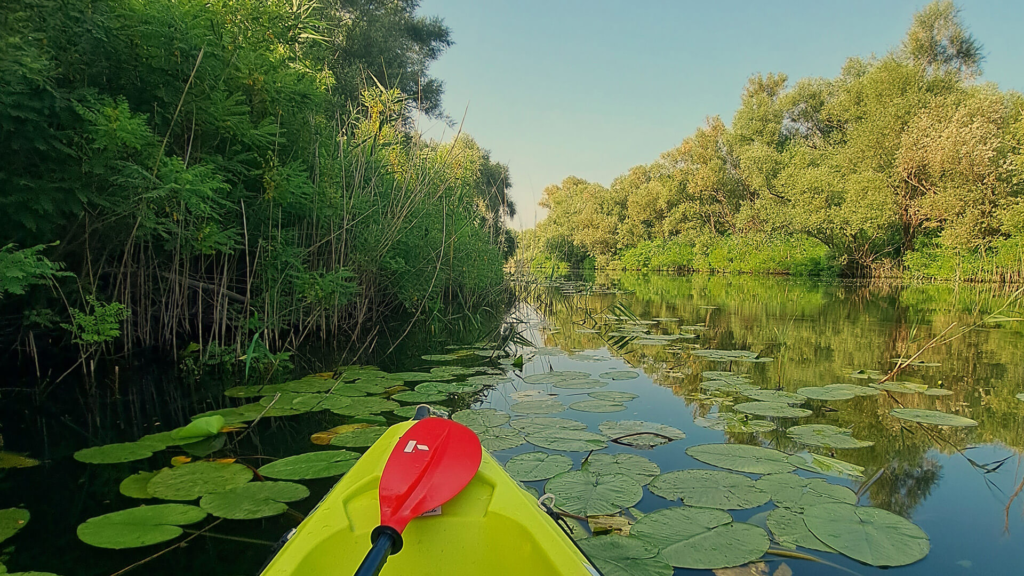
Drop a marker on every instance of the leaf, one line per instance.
(779, 396)
(789, 530)
(137, 485)
(364, 406)
(359, 437)
(495, 439)
(439, 357)
(587, 494)
(625, 556)
(480, 419)
(825, 465)
(938, 392)
(198, 429)
(197, 479)
(12, 520)
(12, 460)
(643, 434)
(549, 406)
(741, 458)
(546, 424)
(902, 387)
(827, 436)
(699, 538)
(324, 438)
(613, 396)
(555, 376)
(533, 466)
(414, 376)
(619, 375)
(734, 422)
(253, 500)
(933, 417)
(310, 465)
(1020, 396)
(640, 469)
(796, 493)
(114, 453)
(447, 388)
(138, 527)
(597, 406)
(709, 489)
(869, 535)
(567, 440)
(580, 383)
(772, 409)
(609, 525)
(416, 397)
(837, 391)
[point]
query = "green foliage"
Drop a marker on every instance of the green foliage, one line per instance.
(20, 269)
(97, 325)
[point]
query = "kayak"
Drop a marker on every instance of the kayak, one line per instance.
(492, 527)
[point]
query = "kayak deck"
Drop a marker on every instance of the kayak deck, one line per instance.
(493, 527)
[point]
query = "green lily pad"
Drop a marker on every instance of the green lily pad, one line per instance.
(640, 469)
(597, 406)
(827, 436)
(555, 376)
(545, 424)
(699, 538)
(734, 422)
(742, 458)
(780, 396)
(365, 406)
(901, 387)
(191, 481)
(417, 397)
(448, 388)
(439, 357)
(567, 440)
(198, 429)
(869, 535)
(619, 375)
(137, 485)
(478, 420)
(625, 556)
(12, 520)
(772, 409)
(613, 396)
(413, 376)
(12, 460)
(640, 434)
(138, 527)
(726, 376)
(358, 438)
(789, 530)
(253, 500)
(933, 417)
(796, 493)
(489, 379)
(533, 466)
(495, 439)
(727, 387)
(938, 392)
(232, 415)
(825, 465)
(410, 411)
(549, 406)
(709, 489)
(866, 374)
(114, 453)
(587, 494)
(837, 391)
(579, 383)
(323, 464)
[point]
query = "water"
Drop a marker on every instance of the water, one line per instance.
(946, 480)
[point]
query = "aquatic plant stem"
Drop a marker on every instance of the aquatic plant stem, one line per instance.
(166, 550)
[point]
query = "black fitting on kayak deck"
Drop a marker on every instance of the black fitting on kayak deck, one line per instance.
(396, 537)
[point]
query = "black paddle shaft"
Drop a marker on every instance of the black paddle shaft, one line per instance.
(385, 542)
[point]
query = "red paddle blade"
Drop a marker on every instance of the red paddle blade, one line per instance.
(432, 462)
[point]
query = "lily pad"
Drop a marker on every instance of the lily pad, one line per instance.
(495, 439)
(136, 485)
(12, 460)
(638, 468)
(933, 417)
(901, 387)
(417, 397)
(199, 429)
(619, 375)
(587, 494)
(796, 493)
(772, 409)
(439, 357)
(364, 406)
(447, 388)
(11, 521)
(580, 383)
(567, 440)
(827, 436)
(938, 392)
(869, 535)
(825, 465)
(549, 406)
(699, 538)
(410, 411)
(837, 392)
(478, 420)
(742, 458)
(253, 500)
(790, 531)
(866, 374)
(358, 438)
(780, 396)
(114, 453)
(555, 376)
(197, 479)
(413, 376)
(311, 465)
(546, 424)
(140, 526)
(597, 406)
(613, 396)
(534, 466)
(625, 556)
(709, 489)
(640, 434)
(734, 422)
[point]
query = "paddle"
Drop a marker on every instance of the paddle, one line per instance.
(432, 462)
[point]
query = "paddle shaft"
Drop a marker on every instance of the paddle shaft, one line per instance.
(383, 543)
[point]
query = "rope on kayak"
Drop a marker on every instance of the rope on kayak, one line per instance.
(560, 521)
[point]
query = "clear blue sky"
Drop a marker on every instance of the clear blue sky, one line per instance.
(591, 88)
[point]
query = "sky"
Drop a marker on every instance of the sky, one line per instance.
(590, 88)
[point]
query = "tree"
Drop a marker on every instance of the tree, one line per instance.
(938, 42)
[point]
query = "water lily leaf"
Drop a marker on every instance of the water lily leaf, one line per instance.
(12, 460)
(742, 458)
(933, 417)
(533, 466)
(367, 405)
(416, 397)
(410, 411)
(246, 413)
(837, 391)
(140, 526)
(772, 409)
(550, 406)
(780, 396)
(478, 420)
(734, 422)
(726, 387)
(587, 494)
(866, 374)
(12, 520)
(137, 485)
(494, 439)
(489, 379)
(311, 465)
(597, 406)
(198, 429)
(613, 396)
(567, 440)
(938, 392)
(114, 453)
(640, 469)
(625, 556)
(709, 489)
(439, 357)
(619, 375)
(555, 376)
(359, 437)
(546, 424)
(902, 387)
(197, 479)
(699, 538)
(827, 436)
(725, 376)
(790, 531)
(531, 395)
(869, 535)
(447, 388)
(579, 383)
(640, 434)
(825, 465)
(206, 446)
(253, 500)
(796, 493)
(414, 376)
(324, 438)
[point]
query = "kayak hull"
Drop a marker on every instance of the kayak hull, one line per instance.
(493, 527)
